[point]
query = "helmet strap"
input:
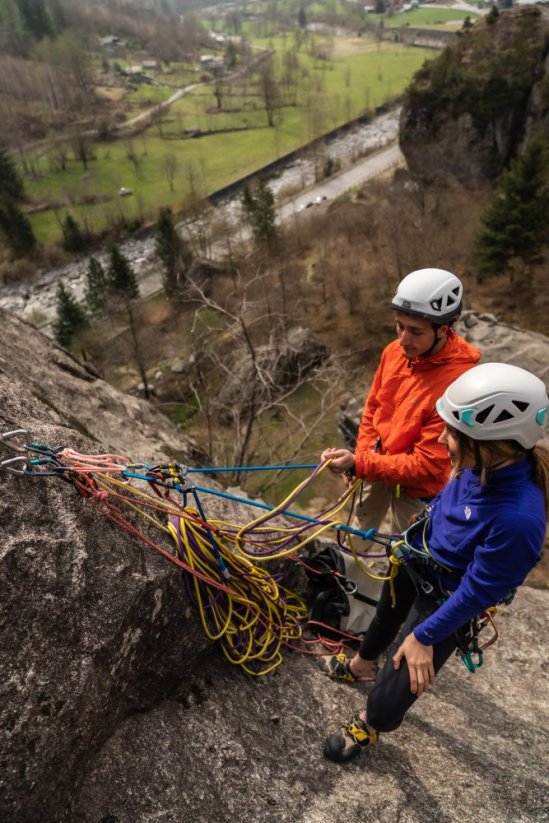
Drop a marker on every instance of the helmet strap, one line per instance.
(437, 339)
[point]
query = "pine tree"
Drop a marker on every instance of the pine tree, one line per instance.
(96, 286)
(14, 225)
(122, 283)
(17, 229)
(260, 208)
(71, 317)
(172, 250)
(36, 18)
(467, 24)
(121, 277)
(73, 236)
(492, 16)
(516, 221)
(10, 18)
(11, 184)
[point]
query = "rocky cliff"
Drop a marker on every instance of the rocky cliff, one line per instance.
(116, 709)
(471, 109)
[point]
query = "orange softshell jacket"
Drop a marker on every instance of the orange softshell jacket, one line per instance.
(397, 439)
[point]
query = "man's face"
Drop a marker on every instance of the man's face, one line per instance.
(416, 334)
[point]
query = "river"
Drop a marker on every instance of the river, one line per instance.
(35, 301)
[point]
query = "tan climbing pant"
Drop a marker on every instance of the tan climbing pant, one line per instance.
(377, 507)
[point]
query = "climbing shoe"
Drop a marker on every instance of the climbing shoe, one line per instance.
(348, 742)
(337, 666)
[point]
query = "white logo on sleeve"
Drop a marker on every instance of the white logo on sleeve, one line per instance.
(467, 512)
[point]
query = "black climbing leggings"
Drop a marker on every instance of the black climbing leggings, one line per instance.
(391, 697)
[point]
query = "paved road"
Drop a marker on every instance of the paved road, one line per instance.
(40, 297)
(374, 165)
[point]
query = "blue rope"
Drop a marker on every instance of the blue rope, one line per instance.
(371, 534)
(252, 468)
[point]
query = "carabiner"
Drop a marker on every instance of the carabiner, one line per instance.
(7, 436)
(470, 662)
(7, 465)
(350, 586)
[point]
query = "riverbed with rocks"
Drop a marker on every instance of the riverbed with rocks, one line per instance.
(35, 300)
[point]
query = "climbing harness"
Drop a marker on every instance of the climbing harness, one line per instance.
(417, 561)
(241, 605)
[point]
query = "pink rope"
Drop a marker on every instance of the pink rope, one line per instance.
(112, 463)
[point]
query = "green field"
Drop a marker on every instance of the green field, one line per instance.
(426, 18)
(162, 165)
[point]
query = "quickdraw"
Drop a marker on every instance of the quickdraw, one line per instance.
(241, 605)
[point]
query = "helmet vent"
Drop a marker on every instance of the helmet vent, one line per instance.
(482, 415)
(451, 300)
(503, 415)
(436, 305)
(521, 405)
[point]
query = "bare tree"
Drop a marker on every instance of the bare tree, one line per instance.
(269, 91)
(218, 91)
(170, 165)
(82, 149)
(250, 370)
(59, 153)
(132, 156)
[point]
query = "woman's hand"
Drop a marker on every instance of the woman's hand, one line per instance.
(342, 460)
(420, 663)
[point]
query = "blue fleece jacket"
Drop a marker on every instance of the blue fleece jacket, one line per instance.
(491, 536)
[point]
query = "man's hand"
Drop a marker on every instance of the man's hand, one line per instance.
(342, 460)
(420, 663)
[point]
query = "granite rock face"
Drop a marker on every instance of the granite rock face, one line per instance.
(115, 708)
(469, 111)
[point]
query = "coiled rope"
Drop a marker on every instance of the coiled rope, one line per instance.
(242, 607)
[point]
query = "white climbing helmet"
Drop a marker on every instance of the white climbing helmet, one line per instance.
(496, 401)
(435, 294)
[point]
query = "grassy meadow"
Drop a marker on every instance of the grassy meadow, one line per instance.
(163, 166)
(426, 18)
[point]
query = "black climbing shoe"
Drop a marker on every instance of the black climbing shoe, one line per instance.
(348, 742)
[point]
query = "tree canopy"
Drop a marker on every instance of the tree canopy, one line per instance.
(516, 221)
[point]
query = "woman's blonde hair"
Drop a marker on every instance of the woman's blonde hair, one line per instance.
(541, 470)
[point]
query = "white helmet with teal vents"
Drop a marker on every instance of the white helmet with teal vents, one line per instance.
(435, 294)
(496, 401)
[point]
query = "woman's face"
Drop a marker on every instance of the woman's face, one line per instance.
(450, 439)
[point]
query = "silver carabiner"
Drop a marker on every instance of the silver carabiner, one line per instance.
(7, 465)
(8, 436)
(350, 586)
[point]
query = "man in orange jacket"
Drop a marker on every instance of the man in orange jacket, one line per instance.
(397, 450)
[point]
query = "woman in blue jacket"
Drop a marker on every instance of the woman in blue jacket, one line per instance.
(484, 534)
